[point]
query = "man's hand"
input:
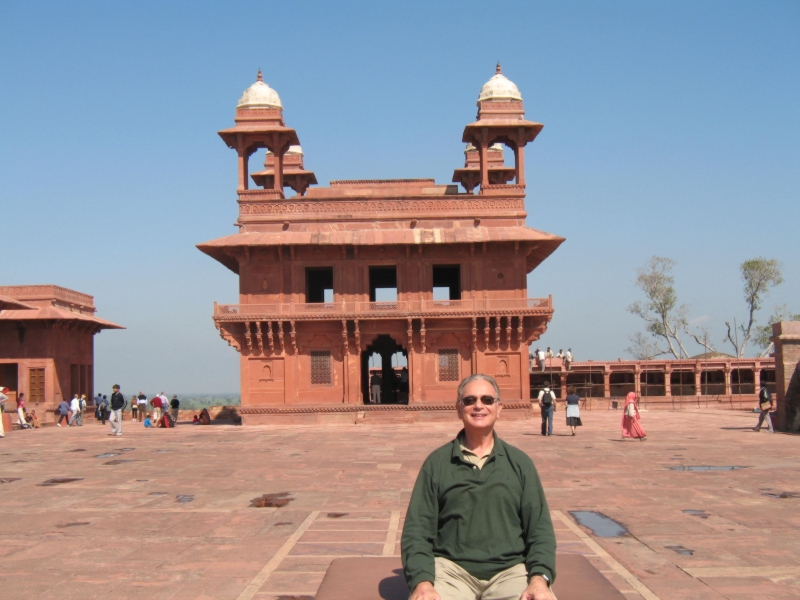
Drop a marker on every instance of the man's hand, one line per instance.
(426, 591)
(537, 590)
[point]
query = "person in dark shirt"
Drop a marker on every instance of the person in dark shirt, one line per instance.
(63, 412)
(117, 406)
(478, 525)
(174, 407)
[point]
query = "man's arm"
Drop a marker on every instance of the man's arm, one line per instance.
(420, 530)
(540, 540)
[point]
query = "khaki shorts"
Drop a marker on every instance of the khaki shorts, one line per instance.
(454, 583)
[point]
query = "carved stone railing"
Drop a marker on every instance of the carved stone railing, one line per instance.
(374, 310)
(256, 203)
(47, 292)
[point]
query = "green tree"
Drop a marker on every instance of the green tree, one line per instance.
(759, 276)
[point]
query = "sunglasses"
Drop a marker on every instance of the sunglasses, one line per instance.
(485, 400)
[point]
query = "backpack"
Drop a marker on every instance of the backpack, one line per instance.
(547, 398)
(167, 420)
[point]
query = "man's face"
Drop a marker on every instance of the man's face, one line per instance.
(479, 416)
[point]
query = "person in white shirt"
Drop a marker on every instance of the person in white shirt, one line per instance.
(540, 356)
(560, 354)
(74, 408)
(568, 358)
(3, 399)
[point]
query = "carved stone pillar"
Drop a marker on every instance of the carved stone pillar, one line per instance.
(606, 384)
(728, 391)
(668, 382)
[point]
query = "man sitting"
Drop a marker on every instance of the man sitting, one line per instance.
(478, 525)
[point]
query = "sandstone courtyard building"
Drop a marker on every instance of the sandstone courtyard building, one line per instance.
(435, 274)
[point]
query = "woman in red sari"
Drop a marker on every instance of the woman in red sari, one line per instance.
(630, 419)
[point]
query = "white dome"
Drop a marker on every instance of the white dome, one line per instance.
(259, 95)
(499, 87)
(292, 150)
(471, 148)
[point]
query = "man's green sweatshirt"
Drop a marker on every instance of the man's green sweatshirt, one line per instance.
(485, 520)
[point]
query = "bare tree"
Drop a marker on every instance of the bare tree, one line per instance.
(701, 339)
(762, 333)
(663, 317)
(759, 276)
(643, 347)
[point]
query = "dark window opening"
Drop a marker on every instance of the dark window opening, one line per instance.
(383, 284)
(712, 383)
(768, 380)
(447, 282)
(652, 383)
(319, 284)
(682, 383)
(621, 384)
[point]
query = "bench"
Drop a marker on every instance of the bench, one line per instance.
(381, 578)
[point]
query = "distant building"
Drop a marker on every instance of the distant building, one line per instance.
(334, 274)
(47, 343)
(711, 377)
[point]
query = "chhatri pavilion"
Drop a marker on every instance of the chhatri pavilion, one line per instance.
(434, 274)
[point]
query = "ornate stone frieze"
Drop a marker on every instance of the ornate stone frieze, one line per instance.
(381, 206)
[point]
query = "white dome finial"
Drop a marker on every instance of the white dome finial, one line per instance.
(499, 88)
(259, 95)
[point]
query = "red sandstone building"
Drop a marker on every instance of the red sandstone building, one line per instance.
(47, 343)
(314, 270)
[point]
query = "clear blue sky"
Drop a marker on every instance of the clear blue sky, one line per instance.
(671, 128)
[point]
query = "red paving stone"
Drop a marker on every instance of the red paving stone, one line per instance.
(122, 533)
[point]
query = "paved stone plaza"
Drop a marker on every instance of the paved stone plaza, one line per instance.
(169, 515)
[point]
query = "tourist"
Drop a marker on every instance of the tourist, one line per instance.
(630, 419)
(463, 539)
(74, 409)
(141, 403)
(403, 386)
(33, 420)
(568, 358)
(82, 407)
(375, 385)
(118, 404)
(765, 405)
(63, 412)
(147, 421)
(547, 405)
(134, 408)
(195, 420)
(540, 356)
(23, 423)
(205, 418)
(3, 398)
(157, 405)
(573, 410)
(102, 410)
(174, 407)
(164, 402)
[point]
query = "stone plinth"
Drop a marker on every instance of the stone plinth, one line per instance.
(786, 337)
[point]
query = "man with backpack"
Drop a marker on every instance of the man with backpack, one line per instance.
(765, 405)
(547, 404)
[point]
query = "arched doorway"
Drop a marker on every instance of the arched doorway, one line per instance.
(393, 390)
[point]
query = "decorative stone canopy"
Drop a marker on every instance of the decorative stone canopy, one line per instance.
(499, 87)
(260, 95)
